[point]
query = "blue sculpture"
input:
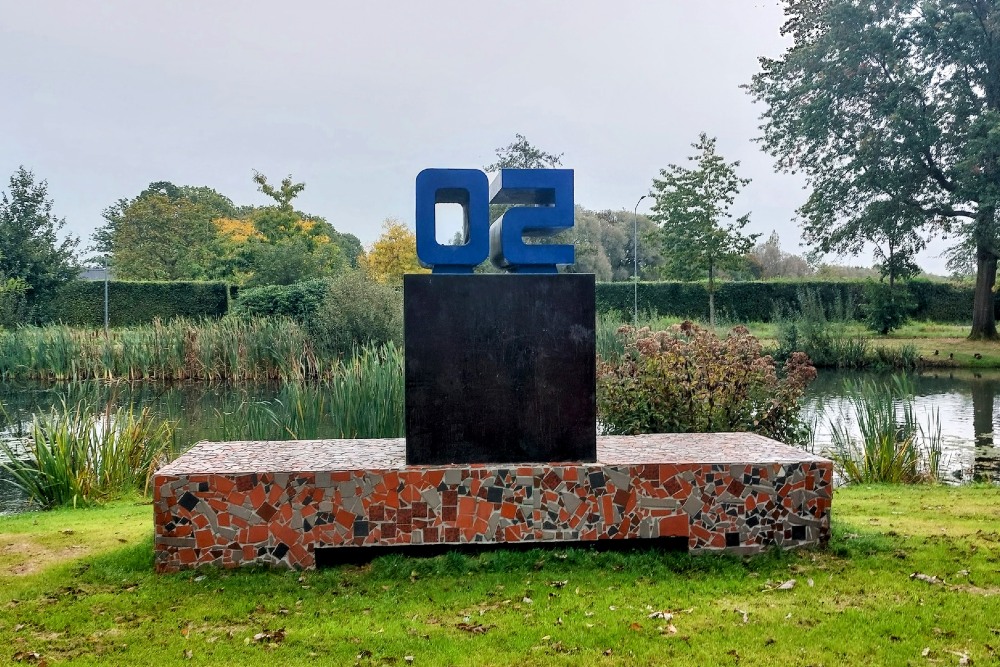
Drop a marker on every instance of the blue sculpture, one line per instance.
(541, 203)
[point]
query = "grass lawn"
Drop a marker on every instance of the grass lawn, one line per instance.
(76, 586)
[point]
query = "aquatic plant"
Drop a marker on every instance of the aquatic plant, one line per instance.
(891, 446)
(75, 456)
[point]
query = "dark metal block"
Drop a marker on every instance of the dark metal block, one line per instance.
(499, 368)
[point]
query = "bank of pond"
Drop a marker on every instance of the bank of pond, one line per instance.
(959, 406)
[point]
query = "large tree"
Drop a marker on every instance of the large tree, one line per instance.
(159, 235)
(31, 252)
(692, 208)
(891, 110)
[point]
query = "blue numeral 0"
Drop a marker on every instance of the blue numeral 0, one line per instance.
(470, 189)
(543, 206)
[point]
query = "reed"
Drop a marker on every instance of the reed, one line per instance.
(230, 350)
(892, 446)
(362, 397)
(76, 456)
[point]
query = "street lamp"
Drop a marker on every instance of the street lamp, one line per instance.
(635, 257)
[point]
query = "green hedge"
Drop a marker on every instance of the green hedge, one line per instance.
(81, 302)
(759, 301)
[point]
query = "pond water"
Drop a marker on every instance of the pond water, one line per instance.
(965, 401)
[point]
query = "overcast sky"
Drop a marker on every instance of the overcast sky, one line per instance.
(355, 98)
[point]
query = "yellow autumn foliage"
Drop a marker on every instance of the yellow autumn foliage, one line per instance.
(392, 255)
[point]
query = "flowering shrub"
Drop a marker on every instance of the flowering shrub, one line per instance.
(687, 380)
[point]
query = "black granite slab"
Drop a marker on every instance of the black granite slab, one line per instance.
(499, 368)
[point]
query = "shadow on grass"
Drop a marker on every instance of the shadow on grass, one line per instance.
(136, 560)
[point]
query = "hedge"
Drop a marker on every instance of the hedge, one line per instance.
(81, 302)
(760, 301)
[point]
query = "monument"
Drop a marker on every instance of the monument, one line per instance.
(501, 444)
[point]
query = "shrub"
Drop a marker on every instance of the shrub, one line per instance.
(687, 380)
(886, 308)
(13, 302)
(355, 312)
(298, 301)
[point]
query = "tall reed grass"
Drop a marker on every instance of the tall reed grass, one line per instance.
(891, 445)
(231, 350)
(362, 397)
(76, 456)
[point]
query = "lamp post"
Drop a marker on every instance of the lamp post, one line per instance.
(635, 258)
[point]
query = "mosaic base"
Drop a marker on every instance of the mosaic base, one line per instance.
(240, 503)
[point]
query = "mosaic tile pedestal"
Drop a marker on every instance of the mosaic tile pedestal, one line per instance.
(239, 503)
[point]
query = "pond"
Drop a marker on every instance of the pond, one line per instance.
(966, 403)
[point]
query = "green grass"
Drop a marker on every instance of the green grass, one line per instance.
(95, 600)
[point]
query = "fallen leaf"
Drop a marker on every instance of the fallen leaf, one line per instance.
(188, 654)
(200, 577)
(635, 627)
(526, 600)
(19, 627)
(746, 616)
(786, 585)
(269, 636)
(474, 628)
(668, 629)
(926, 652)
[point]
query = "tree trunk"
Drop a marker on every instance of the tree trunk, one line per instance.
(711, 294)
(984, 323)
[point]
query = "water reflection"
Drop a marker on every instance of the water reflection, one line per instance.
(965, 401)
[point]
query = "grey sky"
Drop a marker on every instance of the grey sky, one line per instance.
(354, 99)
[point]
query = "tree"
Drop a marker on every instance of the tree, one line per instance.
(520, 154)
(393, 254)
(157, 236)
(891, 109)
(31, 254)
(290, 246)
(768, 260)
(691, 207)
